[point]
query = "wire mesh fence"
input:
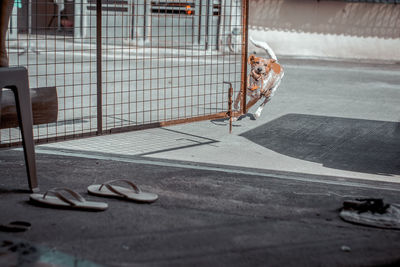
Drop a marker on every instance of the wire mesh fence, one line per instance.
(120, 64)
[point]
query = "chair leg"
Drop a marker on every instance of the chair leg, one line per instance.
(1, 90)
(24, 110)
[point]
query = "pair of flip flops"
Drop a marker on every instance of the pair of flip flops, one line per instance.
(67, 198)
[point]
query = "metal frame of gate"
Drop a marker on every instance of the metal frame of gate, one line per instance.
(128, 65)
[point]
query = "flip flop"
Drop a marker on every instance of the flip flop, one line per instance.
(16, 226)
(59, 200)
(371, 212)
(133, 193)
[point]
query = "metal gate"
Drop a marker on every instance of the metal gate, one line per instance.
(122, 65)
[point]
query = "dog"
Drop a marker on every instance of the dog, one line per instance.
(264, 78)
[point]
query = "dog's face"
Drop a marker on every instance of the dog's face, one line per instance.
(259, 65)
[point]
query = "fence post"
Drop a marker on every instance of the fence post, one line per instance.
(99, 69)
(245, 29)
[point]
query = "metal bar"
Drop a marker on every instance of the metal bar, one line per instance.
(219, 115)
(99, 68)
(230, 113)
(245, 29)
(194, 119)
(230, 108)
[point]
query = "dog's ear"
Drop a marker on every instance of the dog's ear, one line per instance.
(251, 59)
(277, 68)
(274, 66)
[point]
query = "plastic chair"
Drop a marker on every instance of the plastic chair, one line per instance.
(16, 79)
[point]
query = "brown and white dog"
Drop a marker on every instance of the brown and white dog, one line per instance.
(264, 78)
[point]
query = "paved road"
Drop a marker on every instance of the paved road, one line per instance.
(205, 215)
(327, 118)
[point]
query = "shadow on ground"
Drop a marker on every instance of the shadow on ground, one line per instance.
(348, 144)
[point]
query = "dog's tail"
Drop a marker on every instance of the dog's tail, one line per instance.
(264, 46)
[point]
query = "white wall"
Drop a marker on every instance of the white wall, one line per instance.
(327, 29)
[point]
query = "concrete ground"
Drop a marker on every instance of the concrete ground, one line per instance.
(266, 195)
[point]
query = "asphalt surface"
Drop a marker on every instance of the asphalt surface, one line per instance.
(202, 217)
(269, 194)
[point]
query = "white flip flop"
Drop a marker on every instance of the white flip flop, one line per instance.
(59, 200)
(134, 193)
(360, 213)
